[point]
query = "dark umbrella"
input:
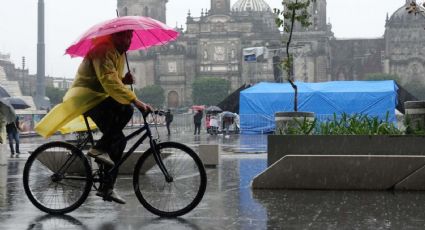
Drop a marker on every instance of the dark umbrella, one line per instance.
(17, 102)
(7, 112)
(228, 114)
(3, 92)
(213, 109)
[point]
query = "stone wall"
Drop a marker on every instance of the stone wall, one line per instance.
(354, 58)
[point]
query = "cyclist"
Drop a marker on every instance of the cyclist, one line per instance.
(99, 92)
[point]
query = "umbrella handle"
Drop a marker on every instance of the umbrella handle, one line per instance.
(128, 68)
(125, 54)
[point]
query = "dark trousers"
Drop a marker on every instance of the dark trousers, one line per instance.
(111, 117)
(168, 127)
(197, 128)
(13, 136)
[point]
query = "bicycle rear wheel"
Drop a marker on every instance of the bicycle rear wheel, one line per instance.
(57, 178)
(170, 199)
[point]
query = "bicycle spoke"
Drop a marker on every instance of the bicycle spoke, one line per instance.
(56, 178)
(176, 197)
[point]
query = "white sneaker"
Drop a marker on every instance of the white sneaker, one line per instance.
(101, 156)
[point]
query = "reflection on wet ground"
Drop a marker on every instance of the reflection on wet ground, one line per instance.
(229, 203)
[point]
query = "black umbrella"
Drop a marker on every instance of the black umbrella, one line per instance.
(3, 92)
(213, 109)
(17, 102)
(7, 112)
(228, 114)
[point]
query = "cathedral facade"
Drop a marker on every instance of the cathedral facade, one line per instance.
(212, 46)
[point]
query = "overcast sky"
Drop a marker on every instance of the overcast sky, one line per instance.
(66, 20)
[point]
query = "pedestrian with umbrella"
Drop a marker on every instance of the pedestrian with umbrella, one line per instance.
(228, 119)
(12, 130)
(197, 120)
(99, 90)
(7, 115)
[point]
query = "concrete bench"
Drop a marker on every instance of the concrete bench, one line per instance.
(344, 172)
(209, 154)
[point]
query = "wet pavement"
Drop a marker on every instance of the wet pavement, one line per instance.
(229, 202)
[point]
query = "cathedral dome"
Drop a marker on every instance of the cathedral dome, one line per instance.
(402, 16)
(251, 5)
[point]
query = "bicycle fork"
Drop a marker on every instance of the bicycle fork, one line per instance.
(159, 162)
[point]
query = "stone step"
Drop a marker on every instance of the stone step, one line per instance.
(344, 172)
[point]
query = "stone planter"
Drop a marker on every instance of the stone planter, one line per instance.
(280, 145)
(415, 114)
(343, 162)
(285, 120)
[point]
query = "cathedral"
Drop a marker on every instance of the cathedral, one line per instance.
(212, 45)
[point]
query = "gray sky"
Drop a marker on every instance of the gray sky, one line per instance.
(66, 20)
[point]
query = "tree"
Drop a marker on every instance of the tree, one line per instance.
(153, 94)
(55, 94)
(209, 90)
(292, 11)
(415, 7)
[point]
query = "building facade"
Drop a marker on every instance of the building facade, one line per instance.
(211, 46)
(213, 42)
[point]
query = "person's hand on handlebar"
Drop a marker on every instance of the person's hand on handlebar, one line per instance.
(146, 108)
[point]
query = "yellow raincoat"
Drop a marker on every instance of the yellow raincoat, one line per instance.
(99, 76)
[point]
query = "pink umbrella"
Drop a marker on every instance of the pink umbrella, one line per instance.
(147, 32)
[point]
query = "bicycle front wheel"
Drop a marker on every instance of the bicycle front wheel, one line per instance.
(57, 177)
(183, 193)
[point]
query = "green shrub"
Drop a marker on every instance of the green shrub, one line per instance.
(355, 124)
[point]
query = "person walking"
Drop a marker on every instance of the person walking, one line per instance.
(12, 130)
(168, 120)
(197, 120)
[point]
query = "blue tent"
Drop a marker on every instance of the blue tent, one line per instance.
(259, 103)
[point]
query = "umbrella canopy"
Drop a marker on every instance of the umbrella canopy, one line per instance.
(198, 107)
(17, 102)
(213, 109)
(7, 112)
(147, 32)
(228, 114)
(3, 92)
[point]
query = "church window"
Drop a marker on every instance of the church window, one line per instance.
(205, 54)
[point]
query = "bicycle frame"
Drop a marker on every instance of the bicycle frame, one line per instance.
(147, 135)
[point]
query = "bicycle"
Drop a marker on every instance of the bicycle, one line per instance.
(169, 178)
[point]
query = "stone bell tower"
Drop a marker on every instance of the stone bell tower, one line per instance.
(220, 7)
(155, 9)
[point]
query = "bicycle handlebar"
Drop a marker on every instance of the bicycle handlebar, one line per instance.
(145, 114)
